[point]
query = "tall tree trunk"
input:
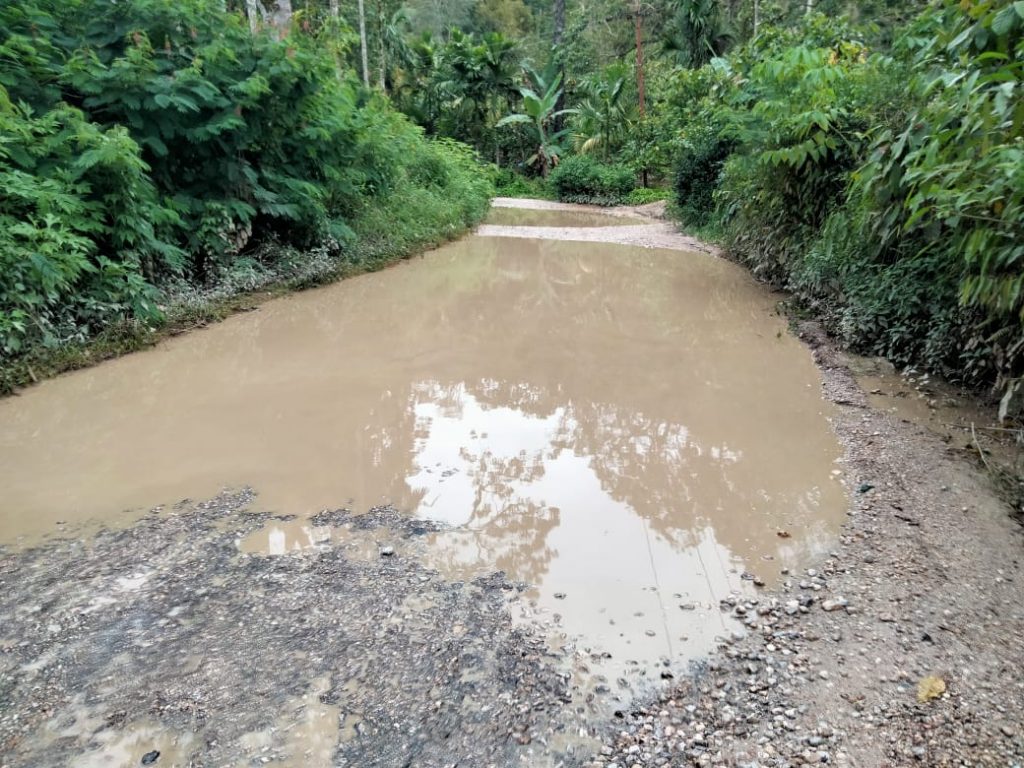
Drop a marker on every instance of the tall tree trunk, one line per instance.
(253, 12)
(639, 29)
(556, 44)
(559, 23)
(380, 47)
(757, 16)
(640, 91)
(362, 44)
(339, 64)
(809, 7)
(281, 17)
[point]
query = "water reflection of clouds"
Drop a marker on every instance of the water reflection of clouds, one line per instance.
(617, 509)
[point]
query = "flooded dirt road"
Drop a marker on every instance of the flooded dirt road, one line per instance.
(560, 408)
(629, 434)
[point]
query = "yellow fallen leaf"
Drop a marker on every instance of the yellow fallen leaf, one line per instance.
(930, 687)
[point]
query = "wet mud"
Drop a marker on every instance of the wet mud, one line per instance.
(164, 637)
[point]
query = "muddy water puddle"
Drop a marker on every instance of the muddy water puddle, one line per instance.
(104, 743)
(306, 734)
(520, 217)
(959, 418)
(624, 429)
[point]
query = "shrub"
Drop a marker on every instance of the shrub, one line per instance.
(885, 191)
(947, 185)
(80, 223)
(645, 195)
(698, 168)
(582, 179)
(508, 183)
(906, 310)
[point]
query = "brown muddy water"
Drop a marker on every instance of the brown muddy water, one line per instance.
(628, 430)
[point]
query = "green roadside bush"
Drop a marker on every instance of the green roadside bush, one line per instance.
(645, 195)
(509, 183)
(80, 222)
(698, 168)
(886, 191)
(583, 179)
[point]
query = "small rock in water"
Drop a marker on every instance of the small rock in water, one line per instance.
(150, 757)
(387, 551)
(559, 595)
(865, 487)
(834, 604)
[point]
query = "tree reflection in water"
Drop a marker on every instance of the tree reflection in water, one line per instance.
(619, 510)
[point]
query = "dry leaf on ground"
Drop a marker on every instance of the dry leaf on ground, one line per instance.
(930, 687)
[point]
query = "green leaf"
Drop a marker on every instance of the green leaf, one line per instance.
(1004, 21)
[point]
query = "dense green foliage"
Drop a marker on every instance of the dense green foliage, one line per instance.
(698, 167)
(152, 148)
(882, 187)
(508, 183)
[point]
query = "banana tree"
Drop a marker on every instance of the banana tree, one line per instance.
(538, 112)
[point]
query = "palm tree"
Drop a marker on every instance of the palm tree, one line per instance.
(698, 33)
(604, 115)
(479, 83)
(416, 90)
(392, 47)
(538, 112)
